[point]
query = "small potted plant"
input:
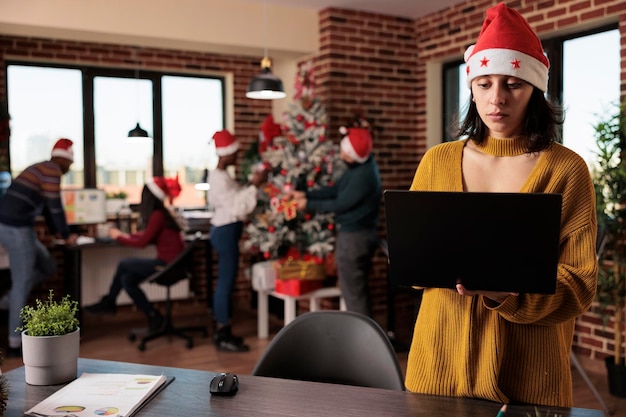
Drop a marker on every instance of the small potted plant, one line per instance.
(50, 340)
(115, 201)
(609, 177)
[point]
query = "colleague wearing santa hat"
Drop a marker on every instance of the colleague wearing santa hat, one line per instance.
(499, 346)
(160, 229)
(36, 191)
(231, 203)
(355, 199)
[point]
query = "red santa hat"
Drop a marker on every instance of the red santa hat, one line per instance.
(63, 148)
(357, 143)
(162, 187)
(269, 130)
(507, 46)
(225, 143)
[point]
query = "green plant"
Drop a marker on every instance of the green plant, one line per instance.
(119, 194)
(609, 177)
(50, 317)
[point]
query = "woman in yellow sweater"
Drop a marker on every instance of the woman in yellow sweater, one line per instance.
(507, 347)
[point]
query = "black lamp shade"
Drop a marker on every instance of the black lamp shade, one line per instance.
(137, 132)
(266, 86)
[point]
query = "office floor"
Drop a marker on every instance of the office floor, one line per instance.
(107, 338)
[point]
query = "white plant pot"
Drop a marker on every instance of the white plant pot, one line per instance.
(50, 360)
(113, 205)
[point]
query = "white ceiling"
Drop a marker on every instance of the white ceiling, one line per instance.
(405, 8)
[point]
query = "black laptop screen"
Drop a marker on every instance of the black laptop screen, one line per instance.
(487, 241)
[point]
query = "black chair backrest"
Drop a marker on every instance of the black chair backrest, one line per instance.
(335, 347)
(176, 270)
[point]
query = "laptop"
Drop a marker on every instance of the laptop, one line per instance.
(486, 241)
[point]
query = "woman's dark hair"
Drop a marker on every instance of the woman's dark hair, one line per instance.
(541, 123)
(149, 203)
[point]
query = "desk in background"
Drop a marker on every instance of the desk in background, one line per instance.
(78, 256)
(189, 395)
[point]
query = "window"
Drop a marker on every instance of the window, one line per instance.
(585, 88)
(45, 104)
(589, 89)
(96, 107)
(456, 96)
(192, 112)
(122, 163)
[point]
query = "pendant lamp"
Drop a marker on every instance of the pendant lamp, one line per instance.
(266, 86)
(137, 132)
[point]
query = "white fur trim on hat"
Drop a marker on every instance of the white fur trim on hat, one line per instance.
(63, 148)
(155, 190)
(227, 150)
(348, 149)
(507, 62)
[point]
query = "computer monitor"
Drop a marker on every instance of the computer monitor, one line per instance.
(84, 206)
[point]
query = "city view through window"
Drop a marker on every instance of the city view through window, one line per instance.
(46, 104)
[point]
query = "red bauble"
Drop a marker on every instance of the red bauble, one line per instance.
(267, 255)
(271, 229)
(331, 226)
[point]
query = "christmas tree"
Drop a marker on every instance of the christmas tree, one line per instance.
(299, 157)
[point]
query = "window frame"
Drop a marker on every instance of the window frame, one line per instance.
(88, 75)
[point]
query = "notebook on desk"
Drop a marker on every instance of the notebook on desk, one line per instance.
(487, 241)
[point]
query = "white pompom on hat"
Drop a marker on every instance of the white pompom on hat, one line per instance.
(507, 45)
(357, 143)
(63, 148)
(225, 143)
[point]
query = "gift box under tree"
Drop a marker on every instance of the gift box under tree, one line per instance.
(299, 276)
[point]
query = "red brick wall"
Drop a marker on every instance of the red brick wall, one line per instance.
(367, 65)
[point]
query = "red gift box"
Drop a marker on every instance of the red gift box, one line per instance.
(297, 286)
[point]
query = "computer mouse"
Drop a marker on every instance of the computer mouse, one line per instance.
(224, 383)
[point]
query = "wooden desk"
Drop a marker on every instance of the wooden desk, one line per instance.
(189, 395)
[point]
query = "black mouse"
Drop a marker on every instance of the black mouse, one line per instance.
(224, 383)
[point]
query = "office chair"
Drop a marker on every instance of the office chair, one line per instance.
(339, 347)
(168, 275)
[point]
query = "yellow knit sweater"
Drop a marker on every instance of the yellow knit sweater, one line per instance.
(517, 351)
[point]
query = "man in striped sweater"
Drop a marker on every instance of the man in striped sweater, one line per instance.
(36, 191)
